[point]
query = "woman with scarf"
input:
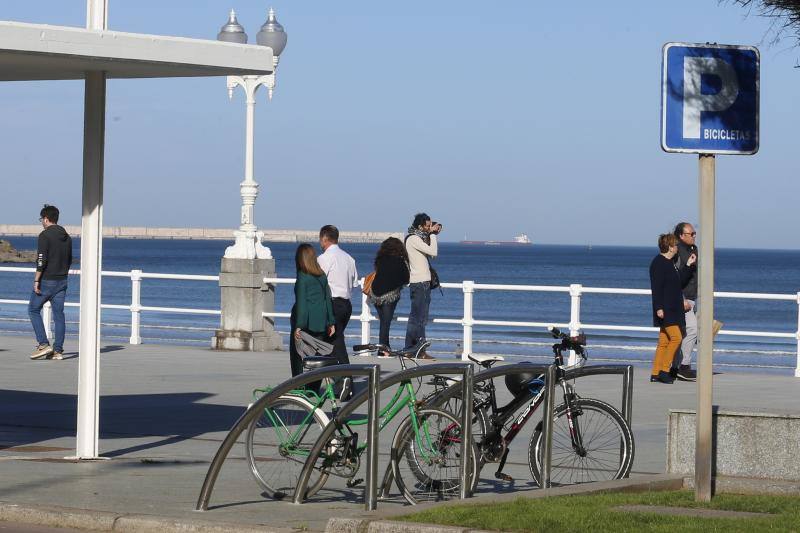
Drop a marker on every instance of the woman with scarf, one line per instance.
(391, 275)
(666, 284)
(313, 308)
(421, 246)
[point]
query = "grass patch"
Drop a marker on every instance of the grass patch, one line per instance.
(595, 513)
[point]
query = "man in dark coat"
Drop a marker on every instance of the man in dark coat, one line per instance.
(682, 365)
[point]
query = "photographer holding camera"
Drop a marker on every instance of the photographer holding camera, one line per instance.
(421, 245)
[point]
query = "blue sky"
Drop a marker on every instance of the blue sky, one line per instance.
(494, 117)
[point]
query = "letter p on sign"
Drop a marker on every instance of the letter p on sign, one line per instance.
(710, 99)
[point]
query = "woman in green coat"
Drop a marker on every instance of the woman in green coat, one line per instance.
(313, 309)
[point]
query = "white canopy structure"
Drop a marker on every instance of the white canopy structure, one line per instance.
(43, 52)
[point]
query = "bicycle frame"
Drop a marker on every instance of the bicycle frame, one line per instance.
(405, 396)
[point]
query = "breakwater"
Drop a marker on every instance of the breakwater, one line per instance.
(141, 232)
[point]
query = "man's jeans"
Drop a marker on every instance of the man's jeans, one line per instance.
(684, 355)
(418, 317)
(53, 291)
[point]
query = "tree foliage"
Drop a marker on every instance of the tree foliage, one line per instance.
(785, 15)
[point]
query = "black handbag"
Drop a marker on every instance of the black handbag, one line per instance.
(435, 283)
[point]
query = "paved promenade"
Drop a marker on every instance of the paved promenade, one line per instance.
(165, 409)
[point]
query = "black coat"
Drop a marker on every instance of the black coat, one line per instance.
(391, 272)
(690, 279)
(666, 283)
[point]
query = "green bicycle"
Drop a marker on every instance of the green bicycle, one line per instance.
(426, 448)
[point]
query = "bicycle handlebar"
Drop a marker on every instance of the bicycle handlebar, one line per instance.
(368, 347)
(575, 343)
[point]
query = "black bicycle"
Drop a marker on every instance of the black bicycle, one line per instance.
(591, 439)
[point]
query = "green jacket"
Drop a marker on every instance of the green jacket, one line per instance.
(313, 308)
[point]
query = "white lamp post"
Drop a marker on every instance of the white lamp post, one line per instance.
(248, 238)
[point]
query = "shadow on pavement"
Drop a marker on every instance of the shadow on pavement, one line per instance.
(176, 416)
(112, 348)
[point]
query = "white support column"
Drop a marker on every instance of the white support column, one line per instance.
(797, 367)
(575, 291)
(94, 125)
(468, 287)
(365, 317)
(136, 306)
(47, 318)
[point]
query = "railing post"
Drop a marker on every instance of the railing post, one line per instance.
(47, 318)
(797, 364)
(468, 287)
(365, 317)
(136, 306)
(575, 291)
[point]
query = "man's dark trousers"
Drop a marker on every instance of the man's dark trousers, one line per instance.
(342, 309)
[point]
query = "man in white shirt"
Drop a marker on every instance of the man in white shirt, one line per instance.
(421, 245)
(340, 269)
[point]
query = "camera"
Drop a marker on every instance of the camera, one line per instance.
(434, 224)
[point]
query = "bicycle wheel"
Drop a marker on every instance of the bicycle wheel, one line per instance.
(424, 474)
(607, 442)
(480, 420)
(278, 443)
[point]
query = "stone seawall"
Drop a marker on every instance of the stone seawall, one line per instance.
(134, 232)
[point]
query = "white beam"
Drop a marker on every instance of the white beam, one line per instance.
(44, 52)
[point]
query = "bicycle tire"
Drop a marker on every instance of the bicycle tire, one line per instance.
(431, 482)
(610, 452)
(275, 469)
(480, 420)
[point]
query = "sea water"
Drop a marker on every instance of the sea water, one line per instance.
(763, 271)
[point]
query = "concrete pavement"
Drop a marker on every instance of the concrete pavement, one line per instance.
(165, 409)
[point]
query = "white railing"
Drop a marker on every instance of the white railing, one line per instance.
(467, 321)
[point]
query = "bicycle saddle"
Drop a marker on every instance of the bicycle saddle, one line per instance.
(485, 360)
(313, 362)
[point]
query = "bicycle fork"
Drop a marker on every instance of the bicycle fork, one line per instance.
(573, 416)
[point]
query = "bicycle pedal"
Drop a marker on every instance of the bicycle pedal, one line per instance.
(353, 482)
(504, 477)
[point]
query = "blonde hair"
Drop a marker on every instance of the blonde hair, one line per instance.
(666, 241)
(305, 259)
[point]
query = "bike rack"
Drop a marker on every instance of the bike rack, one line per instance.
(549, 372)
(464, 369)
(627, 383)
(254, 410)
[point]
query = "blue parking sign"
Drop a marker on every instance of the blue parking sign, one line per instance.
(709, 99)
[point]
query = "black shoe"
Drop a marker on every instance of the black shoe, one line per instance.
(662, 377)
(673, 372)
(685, 373)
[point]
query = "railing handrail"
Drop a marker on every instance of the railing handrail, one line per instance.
(447, 285)
(467, 321)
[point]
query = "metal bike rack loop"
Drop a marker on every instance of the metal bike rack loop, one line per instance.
(464, 369)
(549, 372)
(626, 371)
(254, 411)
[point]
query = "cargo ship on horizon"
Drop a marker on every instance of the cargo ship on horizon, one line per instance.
(520, 240)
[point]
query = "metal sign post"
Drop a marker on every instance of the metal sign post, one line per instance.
(709, 105)
(705, 347)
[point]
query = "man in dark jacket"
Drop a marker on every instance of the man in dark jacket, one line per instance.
(682, 366)
(53, 259)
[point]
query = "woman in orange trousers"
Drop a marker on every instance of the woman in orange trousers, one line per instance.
(666, 284)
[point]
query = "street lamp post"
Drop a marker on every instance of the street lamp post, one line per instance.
(244, 295)
(248, 238)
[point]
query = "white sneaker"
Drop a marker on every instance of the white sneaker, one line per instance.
(58, 356)
(43, 350)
